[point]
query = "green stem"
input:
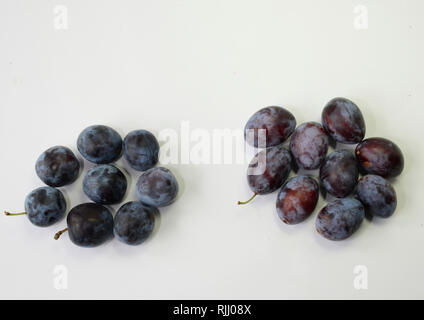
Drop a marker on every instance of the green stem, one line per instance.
(245, 202)
(14, 214)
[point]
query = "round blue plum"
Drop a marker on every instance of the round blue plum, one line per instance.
(157, 187)
(45, 206)
(105, 184)
(141, 150)
(90, 225)
(377, 195)
(57, 166)
(100, 144)
(339, 219)
(134, 222)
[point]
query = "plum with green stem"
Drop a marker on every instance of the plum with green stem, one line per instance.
(43, 206)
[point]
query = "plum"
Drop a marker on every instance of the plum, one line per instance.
(268, 170)
(339, 173)
(339, 219)
(309, 145)
(380, 156)
(278, 123)
(297, 199)
(377, 195)
(343, 121)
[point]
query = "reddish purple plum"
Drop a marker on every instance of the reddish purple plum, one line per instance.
(343, 121)
(268, 170)
(339, 173)
(297, 199)
(277, 122)
(380, 156)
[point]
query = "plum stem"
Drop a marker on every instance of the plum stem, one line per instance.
(59, 233)
(14, 214)
(245, 202)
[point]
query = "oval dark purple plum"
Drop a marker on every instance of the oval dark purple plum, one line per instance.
(380, 156)
(343, 121)
(377, 195)
(309, 145)
(339, 173)
(297, 199)
(339, 219)
(269, 169)
(278, 123)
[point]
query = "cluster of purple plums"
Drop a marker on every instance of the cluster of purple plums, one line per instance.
(374, 159)
(91, 224)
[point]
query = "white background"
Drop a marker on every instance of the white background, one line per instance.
(152, 64)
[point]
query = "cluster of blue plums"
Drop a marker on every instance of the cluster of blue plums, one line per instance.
(91, 224)
(358, 181)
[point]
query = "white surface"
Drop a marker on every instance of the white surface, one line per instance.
(152, 64)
